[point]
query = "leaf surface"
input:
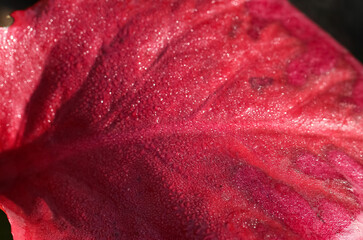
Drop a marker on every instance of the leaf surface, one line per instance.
(178, 120)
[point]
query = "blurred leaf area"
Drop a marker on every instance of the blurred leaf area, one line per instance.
(342, 19)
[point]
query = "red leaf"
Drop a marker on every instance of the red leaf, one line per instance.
(178, 120)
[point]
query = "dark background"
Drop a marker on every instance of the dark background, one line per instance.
(342, 19)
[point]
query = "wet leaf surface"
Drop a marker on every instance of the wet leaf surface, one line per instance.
(178, 119)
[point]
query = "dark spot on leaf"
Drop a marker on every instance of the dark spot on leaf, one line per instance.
(256, 27)
(258, 83)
